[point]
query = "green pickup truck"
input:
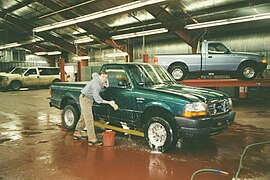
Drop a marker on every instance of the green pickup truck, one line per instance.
(150, 101)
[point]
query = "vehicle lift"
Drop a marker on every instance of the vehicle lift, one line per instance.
(216, 83)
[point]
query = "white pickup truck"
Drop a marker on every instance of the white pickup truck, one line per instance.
(213, 58)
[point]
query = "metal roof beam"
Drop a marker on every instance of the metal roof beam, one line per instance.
(25, 26)
(99, 33)
(173, 24)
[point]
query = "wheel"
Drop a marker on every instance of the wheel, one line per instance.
(247, 72)
(70, 117)
(15, 85)
(56, 80)
(160, 134)
(178, 72)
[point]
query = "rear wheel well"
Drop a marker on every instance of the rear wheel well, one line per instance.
(178, 64)
(56, 80)
(69, 101)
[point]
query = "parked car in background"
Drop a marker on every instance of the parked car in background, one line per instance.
(213, 58)
(29, 77)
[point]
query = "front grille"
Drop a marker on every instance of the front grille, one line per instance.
(218, 107)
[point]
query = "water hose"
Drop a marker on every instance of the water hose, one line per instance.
(243, 154)
(208, 170)
(240, 164)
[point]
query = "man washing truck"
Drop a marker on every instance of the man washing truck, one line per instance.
(213, 57)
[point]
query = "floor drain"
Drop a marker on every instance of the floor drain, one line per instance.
(30, 132)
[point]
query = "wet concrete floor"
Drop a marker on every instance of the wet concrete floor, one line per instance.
(34, 146)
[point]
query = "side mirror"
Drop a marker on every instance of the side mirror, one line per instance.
(123, 84)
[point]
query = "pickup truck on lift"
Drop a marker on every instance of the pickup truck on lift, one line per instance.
(151, 102)
(213, 58)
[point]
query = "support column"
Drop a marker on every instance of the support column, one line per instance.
(81, 63)
(145, 58)
(62, 70)
(129, 58)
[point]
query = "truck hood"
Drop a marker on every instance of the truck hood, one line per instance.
(190, 93)
(248, 54)
(10, 75)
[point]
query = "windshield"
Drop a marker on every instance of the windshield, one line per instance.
(18, 71)
(150, 74)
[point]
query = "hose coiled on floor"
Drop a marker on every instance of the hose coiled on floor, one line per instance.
(239, 167)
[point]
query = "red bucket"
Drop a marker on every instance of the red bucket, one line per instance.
(108, 138)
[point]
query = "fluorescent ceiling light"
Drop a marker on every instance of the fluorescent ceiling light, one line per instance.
(5, 46)
(229, 21)
(203, 4)
(99, 14)
(79, 31)
(141, 33)
(80, 57)
(84, 39)
(116, 54)
(54, 53)
(48, 53)
(40, 53)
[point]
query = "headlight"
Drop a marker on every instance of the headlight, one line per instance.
(4, 78)
(195, 109)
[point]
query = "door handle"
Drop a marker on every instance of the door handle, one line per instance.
(210, 56)
(140, 99)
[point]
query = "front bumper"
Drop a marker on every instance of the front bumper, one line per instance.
(205, 126)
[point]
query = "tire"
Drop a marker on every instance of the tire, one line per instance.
(70, 117)
(247, 72)
(56, 80)
(15, 85)
(160, 134)
(178, 72)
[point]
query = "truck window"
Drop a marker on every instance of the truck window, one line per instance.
(31, 72)
(117, 76)
(49, 71)
(19, 71)
(217, 48)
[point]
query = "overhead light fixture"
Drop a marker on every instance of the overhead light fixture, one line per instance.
(48, 53)
(120, 54)
(81, 58)
(99, 14)
(141, 33)
(84, 39)
(10, 45)
(54, 53)
(79, 31)
(229, 21)
(40, 53)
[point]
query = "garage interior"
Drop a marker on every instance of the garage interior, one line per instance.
(81, 36)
